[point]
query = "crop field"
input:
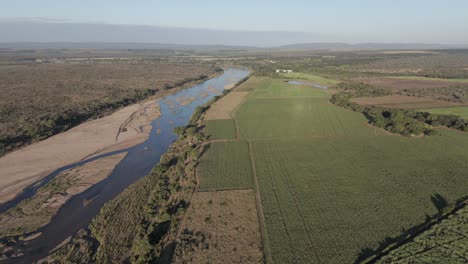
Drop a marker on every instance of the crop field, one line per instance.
(458, 111)
(422, 78)
(406, 83)
(220, 129)
(251, 84)
(326, 199)
(310, 77)
(279, 88)
(403, 102)
(445, 242)
(331, 187)
(297, 118)
(226, 165)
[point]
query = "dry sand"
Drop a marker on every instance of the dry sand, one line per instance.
(124, 128)
(37, 211)
(228, 221)
(223, 108)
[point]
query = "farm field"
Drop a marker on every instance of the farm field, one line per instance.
(397, 83)
(310, 77)
(445, 242)
(333, 188)
(458, 111)
(225, 225)
(422, 78)
(271, 88)
(225, 165)
(220, 129)
(403, 102)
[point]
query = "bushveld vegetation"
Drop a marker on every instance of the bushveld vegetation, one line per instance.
(40, 100)
(456, 111)
(399, 121)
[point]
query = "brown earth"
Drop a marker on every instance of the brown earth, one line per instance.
(38, 210)
(403, 102)
(402, 84)
(225, 227)
(126, 127)
(223, 108)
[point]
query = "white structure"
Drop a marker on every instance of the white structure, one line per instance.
(285, 71)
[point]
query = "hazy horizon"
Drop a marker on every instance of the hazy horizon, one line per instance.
(256, 22)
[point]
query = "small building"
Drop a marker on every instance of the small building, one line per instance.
(285, 71)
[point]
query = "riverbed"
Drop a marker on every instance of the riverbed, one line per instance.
(176, 110)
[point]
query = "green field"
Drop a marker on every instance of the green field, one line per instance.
(422, 78)
(226, 165)
(458, 111)
(269, 88)
(331, 186)
(220, 129)
(310, 77)
(446, 242)
(298, 118)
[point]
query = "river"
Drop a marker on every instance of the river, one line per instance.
(78, 212)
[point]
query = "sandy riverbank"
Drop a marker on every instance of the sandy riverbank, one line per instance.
(126, 127)
(37, 211)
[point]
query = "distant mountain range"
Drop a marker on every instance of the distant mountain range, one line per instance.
(33, 34)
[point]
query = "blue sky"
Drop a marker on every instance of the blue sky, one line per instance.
(379, 20)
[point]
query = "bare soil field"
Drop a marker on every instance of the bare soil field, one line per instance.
(126, 127)
(221, 227)
(402, 84)
(38, 210)
(223, 108)
(42, 99)
(403, 102)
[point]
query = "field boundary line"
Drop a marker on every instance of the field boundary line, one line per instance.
(286, 97)
(261, 218)
(225, 189)
(236, 125)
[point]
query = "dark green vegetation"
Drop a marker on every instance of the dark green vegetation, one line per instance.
(445, 242)
(226, 165)
(457, 111)
(405, 122)
(220, 129)
(42, 99)
(334, 190)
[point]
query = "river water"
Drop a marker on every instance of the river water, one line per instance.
(78, 212)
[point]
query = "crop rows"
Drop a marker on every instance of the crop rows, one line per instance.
(226, 165)
(220, 129)
(445, 242)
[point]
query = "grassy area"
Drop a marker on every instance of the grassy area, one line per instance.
(332, 187)
(310, 77)
(226, 165)
(458, 111)
(220, 129)
(445, 242)
(422, 78)
(269, 88)
(297, 118)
